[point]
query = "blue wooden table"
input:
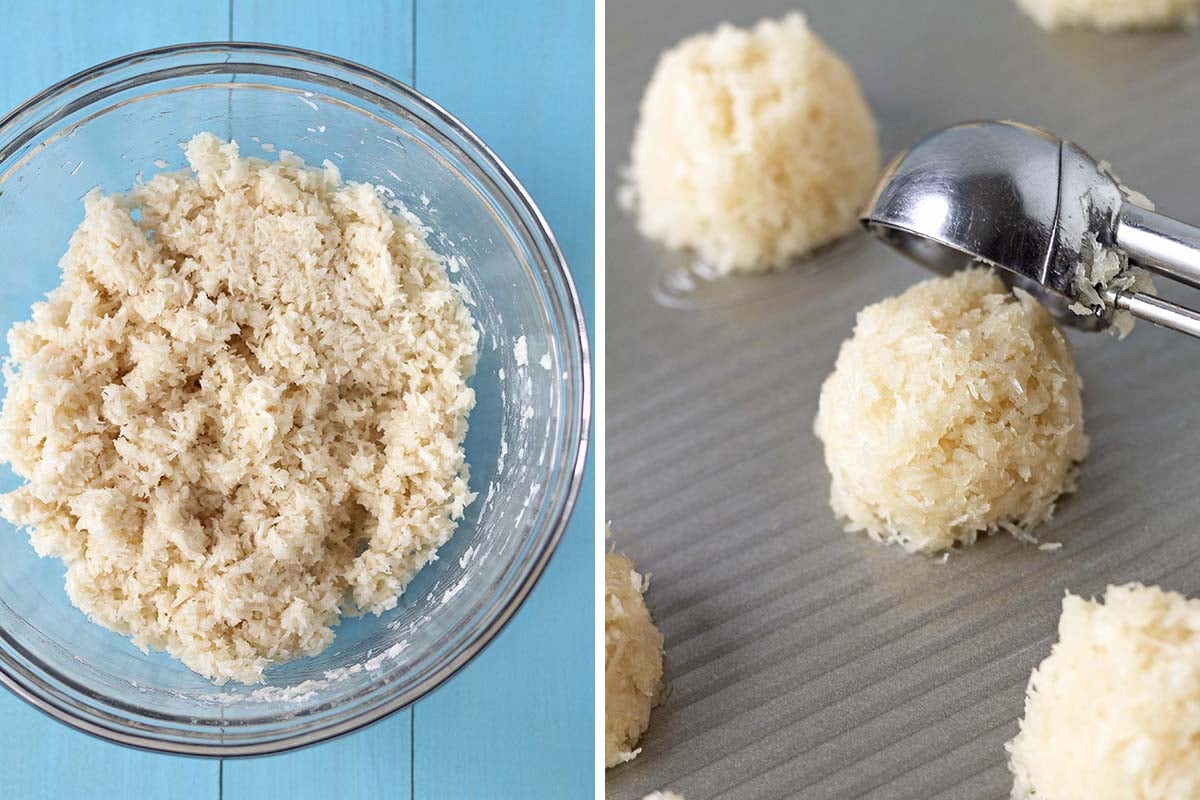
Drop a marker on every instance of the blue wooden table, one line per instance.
(518, 721)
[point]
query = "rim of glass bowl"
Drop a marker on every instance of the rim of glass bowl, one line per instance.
(87, 710)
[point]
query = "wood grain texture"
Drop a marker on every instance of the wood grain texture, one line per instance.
(42, 44)
(517, 722)
(42, 759)
(46, 42)
(375, 33)
(520, 74)
(371, 763)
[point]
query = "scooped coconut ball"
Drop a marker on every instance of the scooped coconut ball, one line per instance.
(1113, 713)
(953, 410)
(1112, 15)
(632, 660)
(753, 147)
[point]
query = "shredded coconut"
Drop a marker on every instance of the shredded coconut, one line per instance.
(632, 660)
(953, 410)
(1112, 15)
(753, 147)
(241, 414)
(1107, 269)
(1113, 713)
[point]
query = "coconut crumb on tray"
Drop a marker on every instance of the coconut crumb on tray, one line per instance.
(242, 412)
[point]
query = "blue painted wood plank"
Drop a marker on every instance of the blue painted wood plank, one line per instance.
(376, 762)
(42, 759)
(550, 700)
(47, 41)
(42, 44)
(368, 764)
(521, 75)
(375, 33)
(518, 721)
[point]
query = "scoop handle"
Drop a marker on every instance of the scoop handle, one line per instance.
(1158, 311)
(1160, 244)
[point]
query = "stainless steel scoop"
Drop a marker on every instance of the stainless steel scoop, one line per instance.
(1021, 199)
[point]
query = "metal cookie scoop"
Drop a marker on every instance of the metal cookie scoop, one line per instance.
(1030, 203)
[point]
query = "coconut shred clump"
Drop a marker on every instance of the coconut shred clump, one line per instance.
(753, 147)
(1113, 713)
(1112, 16)
(241, 414)
(1107, 269)
(633, 665)
(955, 409)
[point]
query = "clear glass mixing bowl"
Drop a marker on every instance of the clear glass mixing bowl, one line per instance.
(528, 431)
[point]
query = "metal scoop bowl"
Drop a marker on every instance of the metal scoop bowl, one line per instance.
(1020, 199)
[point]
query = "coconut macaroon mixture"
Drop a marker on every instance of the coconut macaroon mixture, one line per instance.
(241, 414)
(1105, 269)
(1113, 713)
(633, 665)
(753, 147)
(1112, 15)
(955, 409)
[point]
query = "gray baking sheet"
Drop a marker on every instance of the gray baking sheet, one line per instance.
(804, 661)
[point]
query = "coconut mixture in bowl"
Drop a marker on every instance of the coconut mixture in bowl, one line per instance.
(242, 412)
(458, 250)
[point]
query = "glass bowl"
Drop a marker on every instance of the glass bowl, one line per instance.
(528, 431)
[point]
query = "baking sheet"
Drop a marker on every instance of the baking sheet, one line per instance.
(804, 661)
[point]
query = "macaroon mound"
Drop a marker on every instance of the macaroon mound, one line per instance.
(953, 410)
(753, 147)
(1113, 713)
(1112, 15)
(633, 664)
(242, 411)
